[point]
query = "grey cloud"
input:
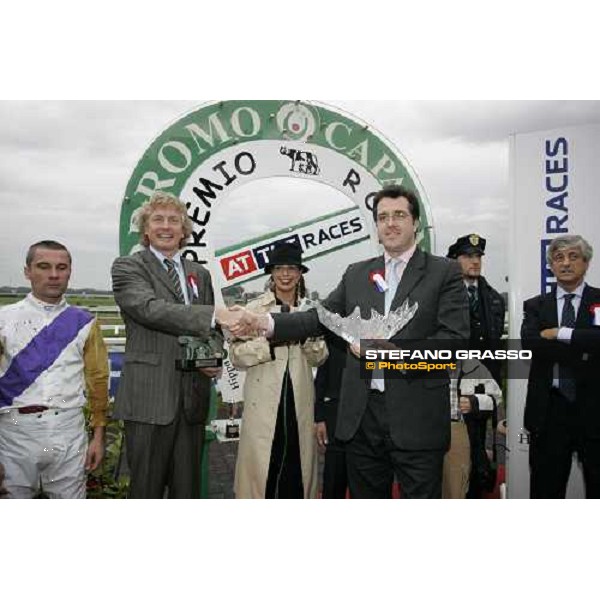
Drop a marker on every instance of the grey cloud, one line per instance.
(471, 121)
(64, 167)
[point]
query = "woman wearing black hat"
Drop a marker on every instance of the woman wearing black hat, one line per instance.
(277, 456)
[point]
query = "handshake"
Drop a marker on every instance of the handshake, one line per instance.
(239, 322)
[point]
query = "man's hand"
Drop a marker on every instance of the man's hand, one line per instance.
(241, 322)
(321, 434)
(211, 372)
(95, 451)
(374, 344)
(464, 405)
(355, 349)
(549, 334)
(383, 345)
(223, 314)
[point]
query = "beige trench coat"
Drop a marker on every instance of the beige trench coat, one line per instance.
(262, 391)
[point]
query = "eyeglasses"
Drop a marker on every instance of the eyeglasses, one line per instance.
(396, 217)
(286, 269)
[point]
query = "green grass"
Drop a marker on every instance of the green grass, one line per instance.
(5, 299)
(89, 302)
(75, 299)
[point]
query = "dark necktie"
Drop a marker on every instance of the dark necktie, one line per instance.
(566, 375)
(174, 277)
(473, 299)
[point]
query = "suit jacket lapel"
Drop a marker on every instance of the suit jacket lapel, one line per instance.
(413, 273)
(185, 265)
(375, 299)
(160, 272)
(189, 269)
(583, 314)
(548, 312)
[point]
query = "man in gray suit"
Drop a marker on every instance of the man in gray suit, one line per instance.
(163, 296)
(398, 425)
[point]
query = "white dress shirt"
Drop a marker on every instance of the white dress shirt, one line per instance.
(565, 333)
(399, 262)
(178, 267)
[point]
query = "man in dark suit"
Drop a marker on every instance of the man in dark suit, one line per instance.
(562, 411)
(392, 425)
(163, 296)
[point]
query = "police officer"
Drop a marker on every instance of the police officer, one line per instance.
(486, 305)
(486, 309)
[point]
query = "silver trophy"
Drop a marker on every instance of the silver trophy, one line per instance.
(354, 328)
(199, 352)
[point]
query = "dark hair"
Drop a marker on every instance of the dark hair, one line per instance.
(47, 245)
(397, 191)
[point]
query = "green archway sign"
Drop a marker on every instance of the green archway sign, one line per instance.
(209, 152)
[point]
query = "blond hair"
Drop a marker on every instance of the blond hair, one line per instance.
(162, 200)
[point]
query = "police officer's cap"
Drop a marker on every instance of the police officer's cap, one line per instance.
(468, 244)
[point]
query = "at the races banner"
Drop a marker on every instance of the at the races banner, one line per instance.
(245, 261)
(215, 149)
(554, 191)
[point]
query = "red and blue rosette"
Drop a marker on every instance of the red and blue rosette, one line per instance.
(378, 279)
(193, 284)
(595, 311)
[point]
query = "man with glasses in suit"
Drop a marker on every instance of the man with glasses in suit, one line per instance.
(392, 426)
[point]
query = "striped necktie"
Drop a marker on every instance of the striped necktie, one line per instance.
(174, 277)
(473, 299)
(566, 374)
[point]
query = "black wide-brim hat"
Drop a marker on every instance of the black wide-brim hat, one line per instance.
(285, 254)
(468, 244)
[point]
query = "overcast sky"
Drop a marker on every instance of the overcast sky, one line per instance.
(64, 167)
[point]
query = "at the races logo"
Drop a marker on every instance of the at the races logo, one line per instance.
(246, 261)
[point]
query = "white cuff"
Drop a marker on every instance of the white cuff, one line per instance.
(485, 401)
(564, 334)
(270, 326)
